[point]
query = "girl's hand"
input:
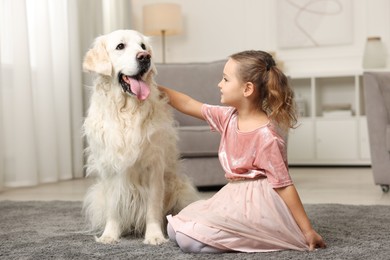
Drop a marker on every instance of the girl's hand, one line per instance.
(314, 240)
(183, 103)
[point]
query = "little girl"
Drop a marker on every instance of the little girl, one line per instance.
(259, 210)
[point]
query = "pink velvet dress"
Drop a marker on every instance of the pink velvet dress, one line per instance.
(247, 214)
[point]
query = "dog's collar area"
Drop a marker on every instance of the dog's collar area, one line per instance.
(134, 86)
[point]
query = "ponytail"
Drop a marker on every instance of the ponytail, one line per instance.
(279, 101)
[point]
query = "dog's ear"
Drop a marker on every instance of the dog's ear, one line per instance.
(153, 71)
(97, 59)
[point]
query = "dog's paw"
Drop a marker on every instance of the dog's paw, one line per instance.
(155, 240)
(154, 234)
(106, 240)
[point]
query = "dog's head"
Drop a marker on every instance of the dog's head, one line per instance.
(126, 57)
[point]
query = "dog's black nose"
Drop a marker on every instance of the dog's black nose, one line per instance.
(143, 56)
(144, 60)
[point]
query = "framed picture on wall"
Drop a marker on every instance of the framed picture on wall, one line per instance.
(314, 23)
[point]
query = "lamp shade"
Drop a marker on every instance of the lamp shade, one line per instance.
(162, 17)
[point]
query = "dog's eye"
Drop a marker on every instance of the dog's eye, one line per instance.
(143, 46)
(120, 46)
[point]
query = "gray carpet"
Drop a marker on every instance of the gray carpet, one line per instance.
(43, 230)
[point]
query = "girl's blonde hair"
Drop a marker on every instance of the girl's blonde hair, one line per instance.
(276, 97)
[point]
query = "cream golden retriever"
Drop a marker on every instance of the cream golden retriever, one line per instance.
(132, 144)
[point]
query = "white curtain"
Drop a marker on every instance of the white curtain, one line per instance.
(40, 92)
(42, 43)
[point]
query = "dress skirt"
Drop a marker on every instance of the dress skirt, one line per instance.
(245, 216)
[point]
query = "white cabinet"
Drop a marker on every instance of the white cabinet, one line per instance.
(301, 142)
(336, 140)
(332, 127)
(363, 138)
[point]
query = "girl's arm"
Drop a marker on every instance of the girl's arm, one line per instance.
(290, 196)
(183, 103)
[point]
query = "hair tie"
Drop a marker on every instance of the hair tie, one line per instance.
(270, 64)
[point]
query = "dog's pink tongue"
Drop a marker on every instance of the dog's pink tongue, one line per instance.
(139, 88)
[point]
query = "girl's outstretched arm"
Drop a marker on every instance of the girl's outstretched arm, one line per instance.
(183, 103)
(290, 196)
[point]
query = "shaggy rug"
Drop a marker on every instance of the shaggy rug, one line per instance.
(43, 230)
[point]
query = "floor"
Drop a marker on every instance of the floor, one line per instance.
(343, 185)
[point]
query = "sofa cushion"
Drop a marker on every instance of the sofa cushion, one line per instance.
(198, 141)
(198, 80)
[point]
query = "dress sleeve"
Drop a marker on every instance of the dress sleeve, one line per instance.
(273, 161)
(216, 116)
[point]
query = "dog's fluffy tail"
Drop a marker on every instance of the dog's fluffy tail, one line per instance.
(94, 209)
(185, 194)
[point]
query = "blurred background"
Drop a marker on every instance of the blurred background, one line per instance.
(44, 93)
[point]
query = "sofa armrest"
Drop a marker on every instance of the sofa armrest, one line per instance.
(388, 138)
(377, 114)
(377, 102)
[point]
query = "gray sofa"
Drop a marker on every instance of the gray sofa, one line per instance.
(377, 101)
(198, 145)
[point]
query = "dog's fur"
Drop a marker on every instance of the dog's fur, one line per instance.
(132, 144)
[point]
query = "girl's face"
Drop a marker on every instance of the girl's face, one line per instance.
(231, 86)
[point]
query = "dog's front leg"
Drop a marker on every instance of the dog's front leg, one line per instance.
(111, 233)
(154, 213)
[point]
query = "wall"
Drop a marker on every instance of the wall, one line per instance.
(213, 29)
